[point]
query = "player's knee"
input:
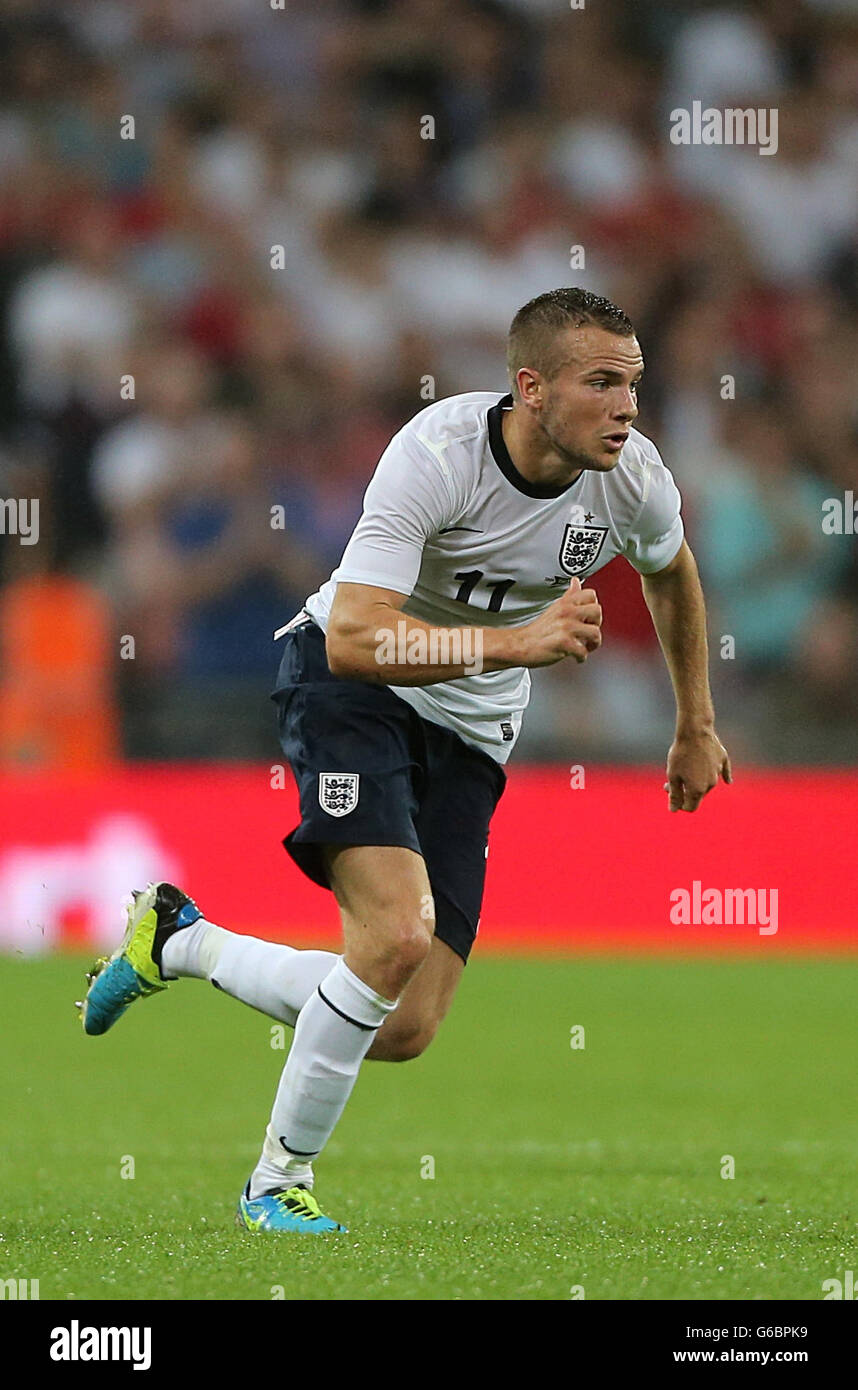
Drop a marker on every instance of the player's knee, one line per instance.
(403, 946)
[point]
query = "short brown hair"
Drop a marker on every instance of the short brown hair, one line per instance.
(533, 332)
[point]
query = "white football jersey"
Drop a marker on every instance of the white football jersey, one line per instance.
(449, 521)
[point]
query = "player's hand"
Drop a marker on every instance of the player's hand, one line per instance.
(695, 764)
(571, 626)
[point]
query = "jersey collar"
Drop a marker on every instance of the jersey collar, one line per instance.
(501, 456)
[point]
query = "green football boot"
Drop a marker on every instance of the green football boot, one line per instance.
(134, 969)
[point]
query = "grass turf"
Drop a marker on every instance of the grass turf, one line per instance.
(555, 1168)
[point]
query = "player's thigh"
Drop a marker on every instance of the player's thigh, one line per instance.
(385, 903)
(453, 824)
(351, 748)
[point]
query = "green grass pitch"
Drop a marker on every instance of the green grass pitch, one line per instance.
(556, 1169)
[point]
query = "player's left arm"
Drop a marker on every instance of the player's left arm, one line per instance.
(697, 759)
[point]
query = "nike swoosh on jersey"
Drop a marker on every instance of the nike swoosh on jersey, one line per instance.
(447, 529)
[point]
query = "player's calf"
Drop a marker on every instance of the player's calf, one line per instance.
(408, 1031)
(402, 1043)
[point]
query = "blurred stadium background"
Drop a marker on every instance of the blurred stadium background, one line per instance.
(404, 259)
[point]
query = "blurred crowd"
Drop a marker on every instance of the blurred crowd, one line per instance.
(241, 243)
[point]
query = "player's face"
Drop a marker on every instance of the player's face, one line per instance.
(589, 405)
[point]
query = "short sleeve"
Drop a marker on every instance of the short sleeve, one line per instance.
(658, 531)
(409, 499)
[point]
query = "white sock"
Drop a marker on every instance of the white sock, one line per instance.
(191, 950)
(332, 1036)
(267, 975)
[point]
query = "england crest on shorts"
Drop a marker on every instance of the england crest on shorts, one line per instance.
(338, 792)
(581, 546)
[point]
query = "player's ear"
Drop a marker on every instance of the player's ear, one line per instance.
(529, 385)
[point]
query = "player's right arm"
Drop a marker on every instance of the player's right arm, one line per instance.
(412, 495)
(368, 632)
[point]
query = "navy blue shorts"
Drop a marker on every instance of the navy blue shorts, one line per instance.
(370, 771)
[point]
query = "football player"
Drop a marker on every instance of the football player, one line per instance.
(400, 696)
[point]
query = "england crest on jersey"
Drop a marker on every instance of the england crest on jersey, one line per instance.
(338, 792)
(581, 546)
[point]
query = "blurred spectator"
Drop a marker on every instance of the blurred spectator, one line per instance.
(761, 546)
(57, 665)
(196, 566)
(71, 321)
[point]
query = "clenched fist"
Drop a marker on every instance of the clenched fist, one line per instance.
(572, 626)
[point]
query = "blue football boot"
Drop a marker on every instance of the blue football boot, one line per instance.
(284, 1209)
(134, 969)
